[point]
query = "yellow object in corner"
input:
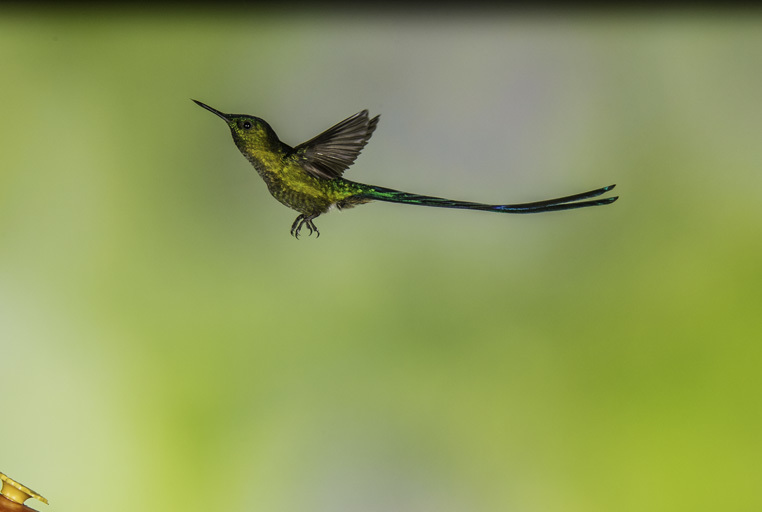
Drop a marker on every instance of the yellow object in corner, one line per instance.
(16, 492)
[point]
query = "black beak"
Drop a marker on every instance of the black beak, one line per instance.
(210, 109)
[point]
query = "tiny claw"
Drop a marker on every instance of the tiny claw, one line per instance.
(297, 226)
(312, 227)
(301, 221)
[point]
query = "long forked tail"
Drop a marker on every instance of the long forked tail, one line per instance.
(549, 205)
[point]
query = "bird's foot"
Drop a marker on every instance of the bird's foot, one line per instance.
(302, 221)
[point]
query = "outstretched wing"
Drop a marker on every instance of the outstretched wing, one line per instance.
(330, 154)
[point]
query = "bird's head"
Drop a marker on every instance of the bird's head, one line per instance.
(251, 134)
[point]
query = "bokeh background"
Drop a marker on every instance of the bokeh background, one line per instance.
(166, 345)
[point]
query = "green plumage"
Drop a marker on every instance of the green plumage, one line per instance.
(308, 178)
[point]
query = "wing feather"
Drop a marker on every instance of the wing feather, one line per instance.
(330, 154)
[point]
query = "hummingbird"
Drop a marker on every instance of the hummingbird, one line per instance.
(308, 177)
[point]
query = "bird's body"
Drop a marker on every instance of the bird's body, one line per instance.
(307, 194)
(308, 177)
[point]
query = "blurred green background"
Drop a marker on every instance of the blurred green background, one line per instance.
(166, 345)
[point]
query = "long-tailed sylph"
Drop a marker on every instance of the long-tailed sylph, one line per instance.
(307, 178)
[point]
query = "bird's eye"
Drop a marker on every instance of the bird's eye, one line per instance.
(246, 125)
